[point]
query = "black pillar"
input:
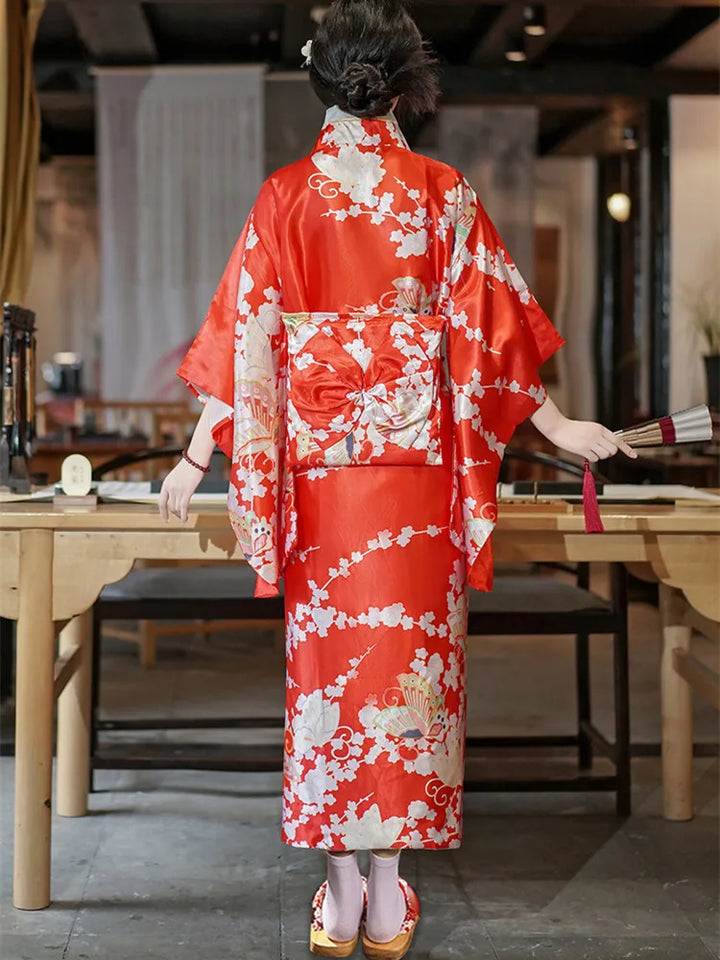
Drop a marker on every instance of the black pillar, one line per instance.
(616, 335)
(659, 143)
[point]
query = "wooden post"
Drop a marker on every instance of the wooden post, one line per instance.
(33, 721)
(73, 722)
(676, 708)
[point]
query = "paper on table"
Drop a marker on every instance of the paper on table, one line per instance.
(628, 492)
(44, 493)
(141, 493)
(655, 491)
(138, 492)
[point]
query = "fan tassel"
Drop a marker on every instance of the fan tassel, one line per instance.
(593, 520)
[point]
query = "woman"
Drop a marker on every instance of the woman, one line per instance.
(366, 358)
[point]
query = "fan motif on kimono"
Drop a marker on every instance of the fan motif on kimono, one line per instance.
(419, 716)
(254, 534)
(259, 417)
(409, 295)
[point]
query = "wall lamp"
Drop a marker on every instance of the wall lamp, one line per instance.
(619, 204)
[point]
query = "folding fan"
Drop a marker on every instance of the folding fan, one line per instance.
(688, 426)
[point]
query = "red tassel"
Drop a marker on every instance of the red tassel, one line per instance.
(593, 520)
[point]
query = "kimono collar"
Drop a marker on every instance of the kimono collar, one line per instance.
(344, 129)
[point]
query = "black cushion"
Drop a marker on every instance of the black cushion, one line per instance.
(224, 581)
(534, 595)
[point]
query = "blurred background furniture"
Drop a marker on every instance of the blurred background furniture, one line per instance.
(157, 422)
(106, 430)
(48, 454)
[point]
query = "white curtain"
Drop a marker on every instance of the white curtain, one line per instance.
(181, 159)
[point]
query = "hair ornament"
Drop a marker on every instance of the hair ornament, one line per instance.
(307, 53)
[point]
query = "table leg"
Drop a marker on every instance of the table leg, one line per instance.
(676, 706)
(73, 722)
(35, 661)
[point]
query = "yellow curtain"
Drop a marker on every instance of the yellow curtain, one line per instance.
(19, 144)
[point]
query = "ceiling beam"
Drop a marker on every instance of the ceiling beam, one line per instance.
(491, 47)
(509, 22)
(681, 29)
(550, 141)
(559, 17)
(522, 83)
(596, 133)
(114, 31)
(571, 86)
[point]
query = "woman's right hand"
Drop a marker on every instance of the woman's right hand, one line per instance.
(177, 490)
(590, 440)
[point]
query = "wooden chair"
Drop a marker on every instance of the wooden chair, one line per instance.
(539, 605)
(211, 598)
(534, 604)
(155, 463)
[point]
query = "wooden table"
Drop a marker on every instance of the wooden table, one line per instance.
(54, 561)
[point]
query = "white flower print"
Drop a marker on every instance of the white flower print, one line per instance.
(315, 723)
(412, 244)
(419, 810)
(370, 830)
(356, 174)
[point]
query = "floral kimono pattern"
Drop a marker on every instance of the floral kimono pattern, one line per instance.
(368, 354)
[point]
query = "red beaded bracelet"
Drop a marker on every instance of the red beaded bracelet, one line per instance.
(186, 456)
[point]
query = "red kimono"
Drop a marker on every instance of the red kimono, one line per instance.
(368, 354)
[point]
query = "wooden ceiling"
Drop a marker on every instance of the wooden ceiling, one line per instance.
(591, 74)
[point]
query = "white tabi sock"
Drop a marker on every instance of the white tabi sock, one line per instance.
(343, 905)
(386, 901)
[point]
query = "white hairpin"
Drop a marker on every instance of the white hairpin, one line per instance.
(307, 53)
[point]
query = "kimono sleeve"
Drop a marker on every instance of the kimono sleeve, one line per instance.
(236, 364)
(208, 366)
(498, 338)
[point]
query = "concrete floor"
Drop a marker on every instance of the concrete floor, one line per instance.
(189, 866)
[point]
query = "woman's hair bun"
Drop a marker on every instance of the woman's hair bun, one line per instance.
(368, 52)
(363, 89)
